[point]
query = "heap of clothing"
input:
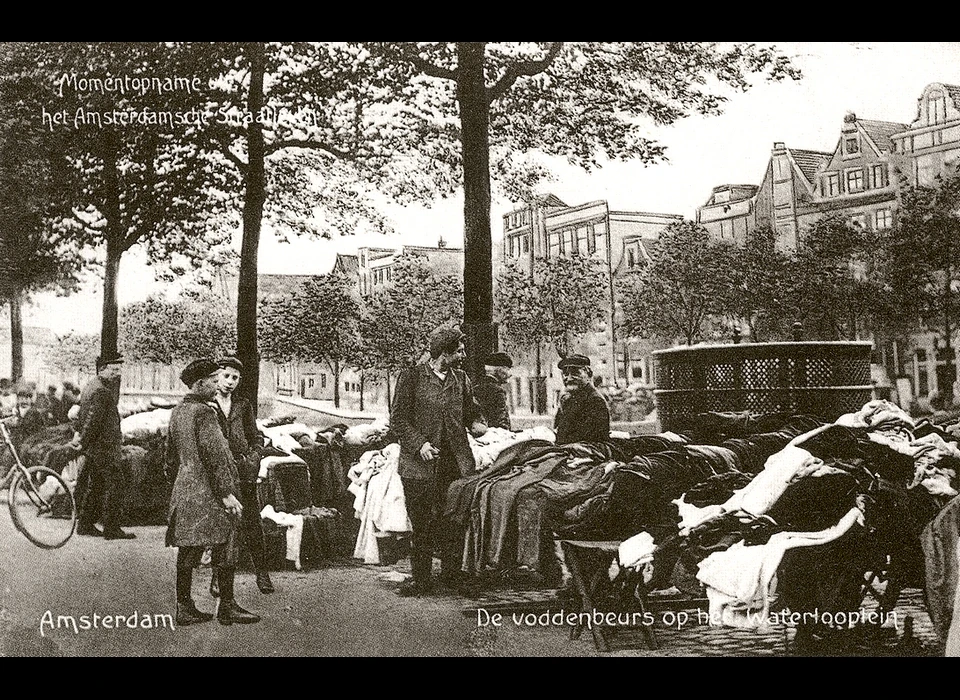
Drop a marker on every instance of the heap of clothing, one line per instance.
(756, 510)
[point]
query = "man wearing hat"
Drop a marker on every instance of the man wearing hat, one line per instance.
(433, 405)
(239, 425)
(583, 415)
(204, 509)
(102, 481)
(492, 391)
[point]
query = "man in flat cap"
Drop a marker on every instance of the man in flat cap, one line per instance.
(433, 405)
(492, 390)
(102, 481)
(583, 415)
(204, 509)
(239, 425)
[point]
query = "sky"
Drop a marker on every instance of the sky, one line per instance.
(880, 81)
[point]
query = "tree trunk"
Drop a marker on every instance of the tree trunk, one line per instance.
(16, 336)
(109, 341)
(254, 184)
(477, 247)
(335, 368)
(362, 377)
(114, 236)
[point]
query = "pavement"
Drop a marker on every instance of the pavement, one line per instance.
(109, 598)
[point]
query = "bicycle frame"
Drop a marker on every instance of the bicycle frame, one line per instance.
(20, 467)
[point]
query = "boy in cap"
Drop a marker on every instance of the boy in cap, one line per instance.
(433, 406)
(583, 414)
(204, 509)
(239, 425)
(102, 480)
(492, 390)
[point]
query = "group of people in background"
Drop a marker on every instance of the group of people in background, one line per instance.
(35, 409)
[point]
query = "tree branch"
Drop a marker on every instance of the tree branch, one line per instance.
(523, 68)
(427, 68)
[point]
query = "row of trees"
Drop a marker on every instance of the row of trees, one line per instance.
(322, 320)
(311, 136)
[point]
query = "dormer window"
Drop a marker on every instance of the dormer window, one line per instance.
(851, 145)
(936, 107)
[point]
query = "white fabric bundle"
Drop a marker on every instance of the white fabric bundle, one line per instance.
(141, 425)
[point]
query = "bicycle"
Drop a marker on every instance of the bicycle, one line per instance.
(41, 503)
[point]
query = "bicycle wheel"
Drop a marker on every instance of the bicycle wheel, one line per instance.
(42, 507)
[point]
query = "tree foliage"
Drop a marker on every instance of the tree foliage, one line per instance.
(835, 288)
(586, 101)
(140, 180)
(923, 258)
(173, 332)
(399, 317)
(564, 297)
(37, 251)
(316, 322)
(72, 353)
(681, 289)
(758, 295)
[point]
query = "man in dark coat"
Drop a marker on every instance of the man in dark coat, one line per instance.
(102, 481)
(583, 415)
(433, 405)
(492, 390)
(204, 509)
(239, 425)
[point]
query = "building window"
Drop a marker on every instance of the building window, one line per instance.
(859, 221)
(631, 261)
(831, 185)
(574, 247)
(936, 107)
(526, 244)
(591, 240)
(323, 381)
(878, 173)
(310, 382)
(851, 145)
(855, 180)
(883, 218)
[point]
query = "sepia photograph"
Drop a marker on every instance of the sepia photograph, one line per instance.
(479, 349)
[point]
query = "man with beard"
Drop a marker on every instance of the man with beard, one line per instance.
(583, 415)
(102, 481)
(433, 406)
(204, 508)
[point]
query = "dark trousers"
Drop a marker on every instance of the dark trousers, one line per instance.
(100, 490)
(425, 502)
(251, 525)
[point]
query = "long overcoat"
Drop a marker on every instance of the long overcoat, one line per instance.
(206, 474)
(428, 409)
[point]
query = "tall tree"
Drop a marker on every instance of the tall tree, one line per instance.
(399, 317)
(36, 250)
(681, 289)
(923, 265)
(758, 295)
(583, 100)
(305, 128)
(834, 289)
(567, 297)
(122, 120)
(317, 322)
